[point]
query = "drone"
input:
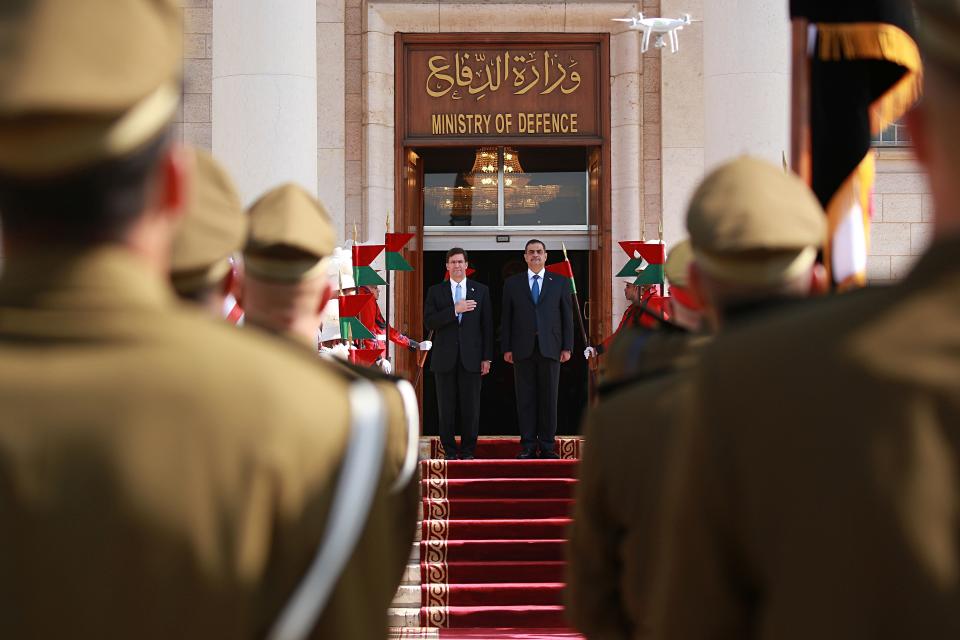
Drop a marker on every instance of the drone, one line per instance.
(659, 26)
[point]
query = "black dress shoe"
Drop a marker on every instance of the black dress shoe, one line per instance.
(549, 455)
(454, 456)
(526, 455)
(467, 456)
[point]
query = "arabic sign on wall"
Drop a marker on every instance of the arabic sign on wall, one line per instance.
(503, 90)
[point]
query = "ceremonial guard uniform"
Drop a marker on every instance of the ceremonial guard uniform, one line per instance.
(161, 475)
(817, 493)
(291, 238)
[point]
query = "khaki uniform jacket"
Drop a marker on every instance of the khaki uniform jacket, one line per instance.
(610, 551)
(819, 487)
(161, 475)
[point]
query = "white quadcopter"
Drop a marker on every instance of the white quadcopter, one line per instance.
(659, 26)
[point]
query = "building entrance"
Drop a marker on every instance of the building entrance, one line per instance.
(498, 409)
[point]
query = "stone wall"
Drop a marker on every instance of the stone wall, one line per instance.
(193, 124)
(903, 215)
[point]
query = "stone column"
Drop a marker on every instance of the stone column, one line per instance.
(746, 80)
(265, 92)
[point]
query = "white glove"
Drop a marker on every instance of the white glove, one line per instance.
(385, 366)
(425, 345)
(589, 352)
(340, 350)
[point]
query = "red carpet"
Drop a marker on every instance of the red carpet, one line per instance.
(492, 542)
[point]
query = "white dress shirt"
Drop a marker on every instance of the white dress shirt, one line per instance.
(530, 275)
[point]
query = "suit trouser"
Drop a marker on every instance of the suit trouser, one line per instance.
(458, 384)
(537, 380)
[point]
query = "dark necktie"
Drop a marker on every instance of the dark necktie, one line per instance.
(535, 290)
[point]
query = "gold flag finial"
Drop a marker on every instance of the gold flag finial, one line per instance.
(783, 159)
(660, 229)
(388, 223)
(355, 233)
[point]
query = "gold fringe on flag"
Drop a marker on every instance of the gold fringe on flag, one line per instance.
(877, 41)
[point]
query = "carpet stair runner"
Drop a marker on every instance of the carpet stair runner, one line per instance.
(489, 561)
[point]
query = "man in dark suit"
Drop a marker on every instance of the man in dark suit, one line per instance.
(537, 335)
(459, 313)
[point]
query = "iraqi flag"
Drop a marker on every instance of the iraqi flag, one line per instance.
(864, 74)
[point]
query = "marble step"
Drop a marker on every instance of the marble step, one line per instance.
(403, 616)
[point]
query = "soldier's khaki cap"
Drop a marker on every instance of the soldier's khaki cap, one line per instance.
(213, 228)
(290, 237)
(84, 80)
(678, 262)
(752, 223)
(939, 30)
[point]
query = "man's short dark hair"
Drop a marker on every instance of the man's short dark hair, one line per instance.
(455, 251)
(534, 241)
(87, 206)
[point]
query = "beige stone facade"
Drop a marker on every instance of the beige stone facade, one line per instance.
(658, 115)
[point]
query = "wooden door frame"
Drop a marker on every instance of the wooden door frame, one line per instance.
(408, 212)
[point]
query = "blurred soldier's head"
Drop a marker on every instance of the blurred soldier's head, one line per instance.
(87, 94)
(213, 230)
(755, 232)
(685, 307)
(286, 285)
(934, 123)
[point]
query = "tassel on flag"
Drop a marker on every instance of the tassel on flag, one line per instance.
(351, 310)
(865, 72)
(394, 242)
(646, 262)
(363, 257)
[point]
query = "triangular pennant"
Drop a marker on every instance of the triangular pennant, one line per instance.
(367, 275)
(653, 274)
(352, 329)
(365, 254)
(365, 357)
(351, 306)
(396, 262)
(396, 241)
(470, 272)
(630, 269)
(652, 252)
(561, 268)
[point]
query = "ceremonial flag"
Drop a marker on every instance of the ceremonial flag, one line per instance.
(363, 257)
(864, 74)
(352, 308)
(646, 262)
(470, 271)
(564, 269)
(394, 242)
(365, 357)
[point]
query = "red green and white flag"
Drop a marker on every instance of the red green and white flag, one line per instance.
(564, 269)
(394, 243)
(351, 309)
(365, 357)
(645, 263)
(363, 257)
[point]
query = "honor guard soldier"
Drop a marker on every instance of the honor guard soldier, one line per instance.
(161, 475)
(285, 289)
(760, 229)
(817, 493)
(211, 234)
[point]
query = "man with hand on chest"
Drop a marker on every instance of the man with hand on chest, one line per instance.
(537, 335)
(458, 312)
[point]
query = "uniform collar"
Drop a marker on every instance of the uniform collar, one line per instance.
(104, 278)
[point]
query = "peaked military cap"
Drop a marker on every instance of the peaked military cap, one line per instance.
(939, 30)
(752, 223)
(678, 262)
(213, 228)
(290, 235)
(72, 95)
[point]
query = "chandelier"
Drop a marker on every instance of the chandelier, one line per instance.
(480, 193)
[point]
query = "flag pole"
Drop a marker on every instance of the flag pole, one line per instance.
(801, 154)
(421, 360)
(387, 319)
(591, 363)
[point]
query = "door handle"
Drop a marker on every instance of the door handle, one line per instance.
(586, 309)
